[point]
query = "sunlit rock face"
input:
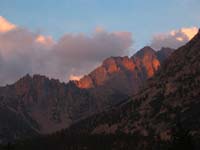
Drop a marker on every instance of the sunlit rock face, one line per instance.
(128, 71)
(147, 61)
(85, 83)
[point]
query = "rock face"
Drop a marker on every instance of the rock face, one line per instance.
(36, 104)
(39, 105)
(124, 73)
(171, 97)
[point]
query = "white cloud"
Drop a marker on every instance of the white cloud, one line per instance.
(5, 26)
(189, 32)
(23, 51)
(174, 38)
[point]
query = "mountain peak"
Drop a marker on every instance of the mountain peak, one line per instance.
(199, 31)
(24, 79)
(147, 50)
(198, 34)
(140, 66)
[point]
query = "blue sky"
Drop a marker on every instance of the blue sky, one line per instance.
(141, 17)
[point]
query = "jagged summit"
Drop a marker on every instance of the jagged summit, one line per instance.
(131, 71)
(147, 50)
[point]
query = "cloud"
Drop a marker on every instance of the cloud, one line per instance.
(5, 26)
(23, 51)
(189, 32)
(74, 77)
(45, 40)
(174, 38)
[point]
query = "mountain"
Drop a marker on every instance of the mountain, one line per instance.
(170, 101)
(129, 73)
(39, 105)
(164, 114)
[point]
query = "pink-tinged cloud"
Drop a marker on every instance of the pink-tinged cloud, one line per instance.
(174, 38)
(45, 40)
(6, 26)
(75, 78)
(23, 51)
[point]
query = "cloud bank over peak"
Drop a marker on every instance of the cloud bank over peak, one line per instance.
(73, 55)
(174, 38)
(23, 51)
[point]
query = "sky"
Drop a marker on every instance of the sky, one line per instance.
(141, 17)
(66, 39)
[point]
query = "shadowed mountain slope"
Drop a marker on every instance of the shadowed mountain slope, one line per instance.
(163, 115)
(171, 97)
(37, 104)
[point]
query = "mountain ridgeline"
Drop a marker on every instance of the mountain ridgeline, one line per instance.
(39, 105)
(126, 71)
(164, 114)
(164, 111)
